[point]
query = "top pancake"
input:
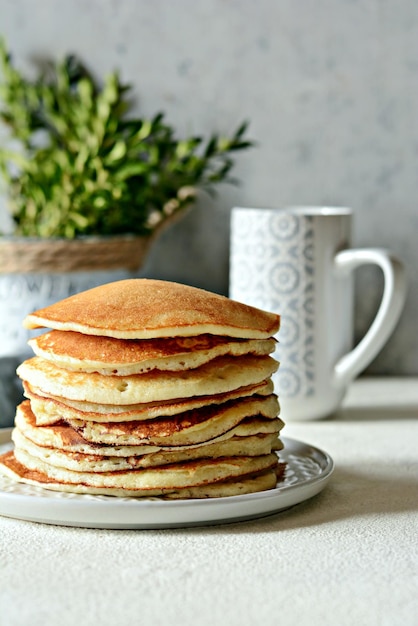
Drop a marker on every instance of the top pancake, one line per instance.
(144, 309)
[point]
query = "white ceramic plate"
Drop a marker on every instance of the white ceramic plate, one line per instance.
(308, 471)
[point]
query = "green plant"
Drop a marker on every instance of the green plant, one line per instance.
(82, 166)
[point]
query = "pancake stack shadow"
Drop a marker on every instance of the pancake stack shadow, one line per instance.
(146, 388)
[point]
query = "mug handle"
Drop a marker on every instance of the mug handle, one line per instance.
(390, 309)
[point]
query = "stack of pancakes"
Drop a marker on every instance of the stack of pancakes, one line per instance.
(149, 388)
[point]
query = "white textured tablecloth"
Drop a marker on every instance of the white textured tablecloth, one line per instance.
(349, 556)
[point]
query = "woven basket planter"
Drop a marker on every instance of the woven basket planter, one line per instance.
(26, 255)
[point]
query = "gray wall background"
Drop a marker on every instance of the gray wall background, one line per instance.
(330, 88)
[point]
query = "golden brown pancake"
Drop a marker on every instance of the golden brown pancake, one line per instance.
(107, 355)
(95, 461)
(155, 481)
(62, 436)
(146, 309)
(218, 376)
(52, 409)
(184, 429)
(238, 485)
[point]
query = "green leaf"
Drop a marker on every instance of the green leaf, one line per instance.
(130, 170)
(118, 152)
(85, 90)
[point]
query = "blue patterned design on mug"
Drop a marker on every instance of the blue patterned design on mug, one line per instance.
(272, 267)
(285, 277)
(289, 331)
(285, 226)
(290, 382)
(295, 302)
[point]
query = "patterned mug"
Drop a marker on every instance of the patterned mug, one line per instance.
(298, 262)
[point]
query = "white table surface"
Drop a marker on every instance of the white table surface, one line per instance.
(348, 556)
